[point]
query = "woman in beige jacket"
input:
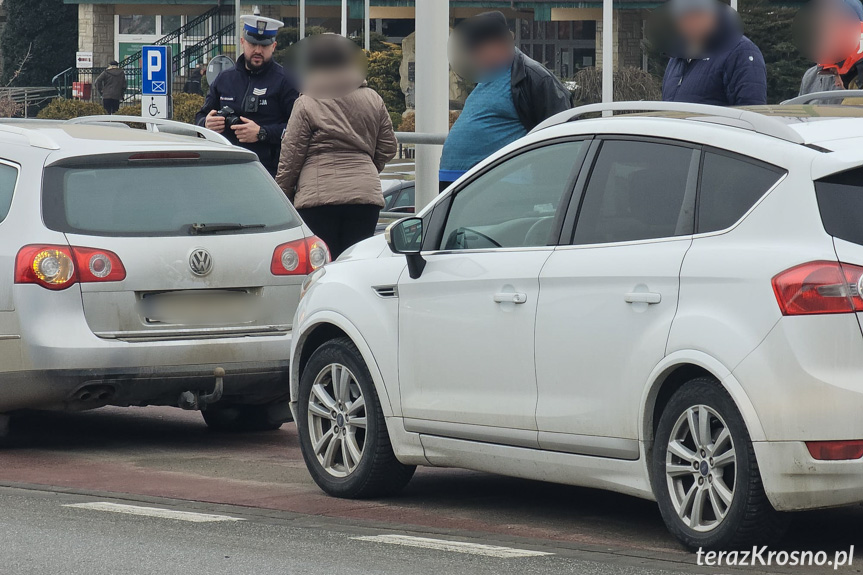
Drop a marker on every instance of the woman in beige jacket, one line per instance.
(338, 140)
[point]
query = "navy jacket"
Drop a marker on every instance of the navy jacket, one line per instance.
(271, 89)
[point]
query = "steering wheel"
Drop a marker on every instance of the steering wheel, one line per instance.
(482, 235)
(536, 230)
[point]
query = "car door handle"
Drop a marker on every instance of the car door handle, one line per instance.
(643, 297)
(510, 297)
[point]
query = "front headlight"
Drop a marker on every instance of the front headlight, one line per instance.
(311, 279)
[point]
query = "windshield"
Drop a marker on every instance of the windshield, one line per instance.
(164, 199)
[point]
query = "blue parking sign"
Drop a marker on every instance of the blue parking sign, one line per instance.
(156, 62)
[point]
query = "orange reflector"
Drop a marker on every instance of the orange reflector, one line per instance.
(835, 450)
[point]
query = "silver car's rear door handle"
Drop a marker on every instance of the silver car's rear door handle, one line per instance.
(510, 297)
(643, 297)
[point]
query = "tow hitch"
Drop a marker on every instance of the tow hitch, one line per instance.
(195, 400)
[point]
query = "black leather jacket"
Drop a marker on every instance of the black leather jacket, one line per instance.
(536, 92)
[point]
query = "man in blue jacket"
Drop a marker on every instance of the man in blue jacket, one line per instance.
(713, 62)
(257, 91)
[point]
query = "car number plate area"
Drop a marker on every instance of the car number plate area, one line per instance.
(201, 307)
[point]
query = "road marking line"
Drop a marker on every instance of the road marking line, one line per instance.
(153, 512)
(454, 546)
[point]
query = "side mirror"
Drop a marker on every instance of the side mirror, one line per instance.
(406, 237)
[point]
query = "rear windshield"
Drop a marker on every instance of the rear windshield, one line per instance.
(163, 199)
(840, 200)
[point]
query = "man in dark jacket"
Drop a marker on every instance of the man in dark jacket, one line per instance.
(713, 62)
(251, 103)
(111, 84)
(512, 96)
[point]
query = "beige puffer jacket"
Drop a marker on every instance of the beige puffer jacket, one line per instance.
(333, 150)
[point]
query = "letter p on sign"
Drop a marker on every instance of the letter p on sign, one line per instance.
(154, 63)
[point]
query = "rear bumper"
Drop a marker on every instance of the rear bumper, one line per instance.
(794, 481)
(244, 383)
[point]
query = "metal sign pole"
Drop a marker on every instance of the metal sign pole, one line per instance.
(607, 52)
(345, 18)
(367, 26)
(302, 19)
(239, 26)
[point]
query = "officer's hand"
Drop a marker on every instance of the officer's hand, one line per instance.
(247, 132)
(214, 122)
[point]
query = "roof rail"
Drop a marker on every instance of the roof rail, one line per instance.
(758, 123)
(35, 138)
(819, 96)
(157, 125)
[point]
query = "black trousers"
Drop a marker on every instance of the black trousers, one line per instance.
(111, 105)
(341, 226)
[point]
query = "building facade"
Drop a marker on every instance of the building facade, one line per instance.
(565, 36)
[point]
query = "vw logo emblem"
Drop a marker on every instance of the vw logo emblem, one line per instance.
(200, 262)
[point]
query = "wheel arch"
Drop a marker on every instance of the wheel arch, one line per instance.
(672, 373)
(326, 326)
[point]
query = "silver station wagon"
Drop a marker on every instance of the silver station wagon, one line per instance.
(145, 267)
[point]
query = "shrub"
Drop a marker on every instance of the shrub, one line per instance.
(408, 123)
(45, 32)
(64, 109)
(384, 78)
(396, 120)
(186, 106)
(9, 108)
(629, 84)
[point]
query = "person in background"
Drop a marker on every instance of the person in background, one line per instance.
(337, 142)
(835, 43)
(111, 85)
(256, 96)
(193, 85)
(513, 94)
(712, 62)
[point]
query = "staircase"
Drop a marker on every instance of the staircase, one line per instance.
(204, 36)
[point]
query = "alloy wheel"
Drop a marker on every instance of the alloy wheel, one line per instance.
(337, 420)
(701, 468)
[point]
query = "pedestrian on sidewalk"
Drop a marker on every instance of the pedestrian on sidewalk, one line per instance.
(712, 62)
(513, 94)
(338, 140)
(833, 39)
(111, 85)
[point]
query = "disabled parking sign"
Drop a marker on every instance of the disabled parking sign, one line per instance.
(156, 82)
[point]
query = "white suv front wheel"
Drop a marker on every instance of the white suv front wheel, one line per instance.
(343, 434)
(705, 476)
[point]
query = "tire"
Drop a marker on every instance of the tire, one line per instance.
(336, 466)
(732, 474)
(245, 418)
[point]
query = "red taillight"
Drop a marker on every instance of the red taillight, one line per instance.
(835, 450)
(58, 267)
(164, 156)
(819, 288)
(300, 257)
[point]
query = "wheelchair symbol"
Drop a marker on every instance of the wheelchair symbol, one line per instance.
(153, 110)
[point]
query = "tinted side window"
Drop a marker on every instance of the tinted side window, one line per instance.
(637, 191)
(8, 180)
(840, 201)
(729, 187)
(406, 198)
(514, 203)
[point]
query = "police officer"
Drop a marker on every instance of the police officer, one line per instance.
(258, 90)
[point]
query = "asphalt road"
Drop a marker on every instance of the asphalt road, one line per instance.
(40, 534)
(167, 458)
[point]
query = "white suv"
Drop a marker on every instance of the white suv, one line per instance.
(662, 305)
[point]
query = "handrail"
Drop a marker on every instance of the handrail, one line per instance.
(34, 137)
(202, 45)
(827, 95)
(420, 138)
(760, 123)
(153, 125)
(166, 39)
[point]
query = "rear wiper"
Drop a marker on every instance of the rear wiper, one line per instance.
(198, 229)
